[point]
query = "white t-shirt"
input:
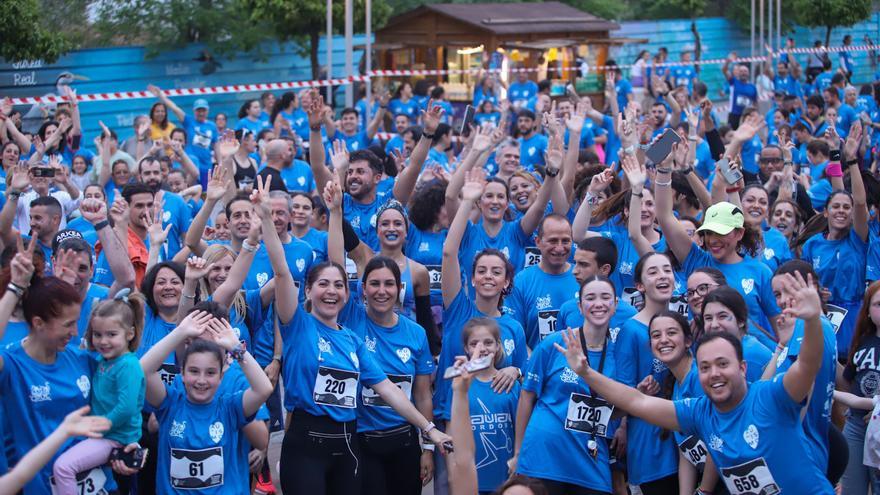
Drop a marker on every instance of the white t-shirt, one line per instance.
(872, 437)
(23, 209)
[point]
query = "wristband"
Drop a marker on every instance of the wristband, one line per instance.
(687, 170)
(787, 163)
(732, 189)
(188, 296)
(14, 195)
(637, 194)
(667, 183)
(277, 357)
(427, 429)
(247, 246)
(661, 170)
(315, 128)
(853, 162)
(100, 225)
(238, 352)
(15, 289)
(834, 170)
(428, 447)
(426, 135)
(383, 107)
(590, 199)
(834, 155)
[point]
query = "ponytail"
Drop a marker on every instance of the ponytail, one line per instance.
(129, 311)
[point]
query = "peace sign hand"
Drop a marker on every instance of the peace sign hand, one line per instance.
(260, 197)
(22, 264)
(63, 265)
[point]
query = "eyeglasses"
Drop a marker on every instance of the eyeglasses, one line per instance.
(701, 290)
(770, 160)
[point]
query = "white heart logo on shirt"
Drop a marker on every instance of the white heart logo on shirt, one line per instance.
(748, 284)
(613, 332)
(300, 264)
(509, 346)
(216, 431)
(769, 253)
(262, 278)
(301, 180)
(751, 436)
(166, 216)
(404, 354)
(84, 385)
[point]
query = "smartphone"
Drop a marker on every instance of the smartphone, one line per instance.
(731, 175)
(136, 459)
(471, 366)
(662, 147)
(467, 121)
(44, 172)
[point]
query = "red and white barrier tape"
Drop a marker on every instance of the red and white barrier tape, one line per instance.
(245, 88)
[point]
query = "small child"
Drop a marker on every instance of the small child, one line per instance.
(871, 455)
(118, 386)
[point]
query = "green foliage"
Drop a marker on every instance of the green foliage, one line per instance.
(830, 13)
(27, 36)
(670, 9)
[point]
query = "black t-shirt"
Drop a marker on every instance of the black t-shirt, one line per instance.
(277, 181)
(864, 371)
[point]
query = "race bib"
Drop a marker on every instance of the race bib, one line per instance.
(750, 478)
(87, 482)
(682, 81)
(836, 315)
(194, 469)
(694, 450)
(167, 372)
(547, 322)
(586, 413)
(679, 305)
(201, 141)
(371, 398)
(351, 268)
(634, 297)
(533, 256)
(435, 276)
(743, 101)
(335, 387)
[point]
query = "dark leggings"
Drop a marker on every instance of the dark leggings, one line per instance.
(663, 486)
(561, 488)
(390, 461)
(320, 456)
(838, 455)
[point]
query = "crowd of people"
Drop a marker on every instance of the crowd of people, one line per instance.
(568, 295)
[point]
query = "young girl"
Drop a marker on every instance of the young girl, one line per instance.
(725, 310)
(493, 414)
(118, 386)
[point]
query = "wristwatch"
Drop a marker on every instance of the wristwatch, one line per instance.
(687, 170)
(551, 171)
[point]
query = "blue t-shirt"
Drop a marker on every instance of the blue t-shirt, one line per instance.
(462, 309)
(756, 355)
(564, 417)
(520, 92)
(323, 367)
(357, 141)
(872, 268)
(254, 126)
(532, 150)
(776, 250)
(623, 89)
(400, 351)
(298, 177)
(480, 97)
(511, 240)
(649, 457)
(612, 146)
(299, 258)
(749, 277)
(362, 217)
(199, 448)
(787, 85)
(409, 108)
(493, 419)
(201, 137)
(750, 154)
(36, 397)
(846, 116)
(481, 118)
(818, 416)
(742, 95)
(317, 240)
(85, 228)
(756, 445)
(821, 82)
(691, 447)
(426, 248)
(94, 294)
(682, 75)
(156, 329)
(361, 107)
(536, 299)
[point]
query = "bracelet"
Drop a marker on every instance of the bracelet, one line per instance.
(854, 161)
(100, 225)
(276, 357)
(188, 296)
(238, 353)
(661, 170)
(733, 189)
(687, 170)
(14, 195)
(637, 194)
(428, 447)
(247, 246)
(315, 128)
(426, 135)
(16, 289)
(590, 199)
(427, 429)
(833, 170)
(667, 183)
(787, 163)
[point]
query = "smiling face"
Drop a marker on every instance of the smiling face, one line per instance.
(349, 123)
(109, 338)
(201, 375)
(11, 153)
(219, 272)
(555, 243)
(839, 212)
(669, 343)
(167, 289)
(490, 276)
(493, 202)
(280, 209)
(722, 375)
(784, 219)
(598, 303)
(381, 291)
(721, 246)
(509, 162)
(391, 229)
(657, 279)
(719, 318)
(755, 203)
(56, 332)
(328, 293)
(121, 174)
(523, 192)
(698, 285)
(481, 343)
(361, 180)
(240, 219)
(300, 211)
(221, 227)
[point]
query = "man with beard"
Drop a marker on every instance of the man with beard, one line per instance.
(130, 220)
(659, 114)
(771, 173)
(238, 212)
(532, 144)
(174, 210)
(361, 171)
(45, 219)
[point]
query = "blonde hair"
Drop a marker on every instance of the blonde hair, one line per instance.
(127, 311)
(489, 324)
(213, 254)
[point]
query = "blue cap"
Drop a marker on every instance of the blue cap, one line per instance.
(200, 103)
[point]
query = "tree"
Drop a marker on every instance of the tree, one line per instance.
(830, 13)
(26, 35)
(303, 21)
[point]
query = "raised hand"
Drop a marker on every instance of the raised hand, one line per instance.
(143, 129)
(832, 137)
(218, 183)
(626, 129)
(853, 141)
(152, 88)
(22, 264)
(6, 106)
(93, 210)
(156, 233)
(399, 159)
(575, 121)
(339, 155)
(228, 144)
(474, 182)
(119, 212)
(260, 197)
(748, 128)
(194, 324)
(62, 267)
(21, 178)
(573, 351)
(333, 195)
(197, 268)
(255, 231)
(680, 153)
(105, 131)
(601, 181)
(648, 386)
(315, 109)
(555, 152)
(222, 333)
(634, 170)
(800, 297)
(432, 117)
(610, 84)
(77, 424)
(482, 138)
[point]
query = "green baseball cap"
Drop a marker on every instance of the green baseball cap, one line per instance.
(722, 218)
